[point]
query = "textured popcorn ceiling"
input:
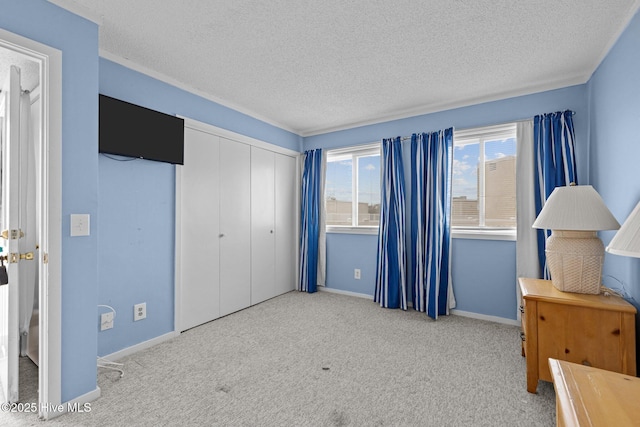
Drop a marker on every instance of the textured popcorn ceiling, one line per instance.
(29, 69)
(316, 66)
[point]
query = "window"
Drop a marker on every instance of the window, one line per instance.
(352, 189)
(484, 180)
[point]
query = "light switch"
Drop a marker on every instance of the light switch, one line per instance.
(79, 225)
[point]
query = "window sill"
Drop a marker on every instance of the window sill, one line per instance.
(456, 234)
(484, 234)
(353, 230)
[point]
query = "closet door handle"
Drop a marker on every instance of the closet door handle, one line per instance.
(221, 235)
(271, 231)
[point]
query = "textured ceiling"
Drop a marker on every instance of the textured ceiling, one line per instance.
(29, 69)
(317, 66)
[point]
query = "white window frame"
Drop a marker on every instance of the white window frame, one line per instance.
(354, 153)
(480, 135)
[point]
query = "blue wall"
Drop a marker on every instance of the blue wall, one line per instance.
(128, 258)
(614, 102)
(478, 287)
(136, 249)
(487, 285)
(131, 86)
(77, 38)
(346, 252)
(137, 209)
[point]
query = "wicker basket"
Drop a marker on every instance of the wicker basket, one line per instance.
(574, 259)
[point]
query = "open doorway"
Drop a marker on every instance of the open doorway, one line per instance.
(20, 116)
(30, 217)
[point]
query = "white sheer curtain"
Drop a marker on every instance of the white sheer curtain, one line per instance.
(322, 236)
(527, 264)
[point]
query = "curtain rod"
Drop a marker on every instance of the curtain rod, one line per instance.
(405, 138)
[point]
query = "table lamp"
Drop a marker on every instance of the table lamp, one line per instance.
(627, 240)
(574, 251)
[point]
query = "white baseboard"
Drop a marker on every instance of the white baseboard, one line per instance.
(495, 319)
(341, 292)
(462, 313)
(78, 405)
(140, 346)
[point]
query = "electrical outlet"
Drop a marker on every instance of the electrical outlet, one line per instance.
(139, 311)
(106, 321)
(356, 273)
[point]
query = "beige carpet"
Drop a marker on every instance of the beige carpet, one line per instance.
(323, 360)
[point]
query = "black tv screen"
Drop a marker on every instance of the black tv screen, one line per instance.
(130, 130)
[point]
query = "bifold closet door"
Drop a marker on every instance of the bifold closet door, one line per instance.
(199, 248)
(286, 188)
(235, 226)
(263, 256)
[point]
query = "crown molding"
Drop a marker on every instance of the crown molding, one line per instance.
(633, 9)
(125, 62)
(79, 10)
(435, 108)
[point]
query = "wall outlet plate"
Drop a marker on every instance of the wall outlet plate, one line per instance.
(139, 311)
(80, 225)
(106, 321)
(356, 273)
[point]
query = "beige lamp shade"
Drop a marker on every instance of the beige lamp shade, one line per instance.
(574, 251)
(575, 207)
(627, 240)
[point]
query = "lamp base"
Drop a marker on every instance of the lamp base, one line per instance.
(574, 259)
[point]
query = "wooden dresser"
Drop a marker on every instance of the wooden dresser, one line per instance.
(591, 330)
(594, 397)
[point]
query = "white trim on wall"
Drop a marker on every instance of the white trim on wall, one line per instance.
(77, 405)
(238, 137)
(461, 313)
(486, 317)
(341, 292)
(117, 355)
(105, 54)
(79, 10)
(630, 13)
(50, 337)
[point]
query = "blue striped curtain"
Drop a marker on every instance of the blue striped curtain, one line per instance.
(310, 220)
(431, 168)
(555, 162)
(391, 282)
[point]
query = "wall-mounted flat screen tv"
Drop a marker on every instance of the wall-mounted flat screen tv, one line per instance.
(130, 130)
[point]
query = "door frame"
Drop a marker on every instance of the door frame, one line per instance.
(49, 286)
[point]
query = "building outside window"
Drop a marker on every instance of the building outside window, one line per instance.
(484, 179)
(352, 189)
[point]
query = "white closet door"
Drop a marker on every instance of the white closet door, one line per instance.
(286, 243)
(262, 225)
(200, 252)
(235, 226)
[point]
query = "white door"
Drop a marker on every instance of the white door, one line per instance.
(199, 233)
(263, 256)
(286, 188)
(9, 298)
(235, 226)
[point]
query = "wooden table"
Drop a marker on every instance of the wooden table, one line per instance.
(587, 396)
(592, 330)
